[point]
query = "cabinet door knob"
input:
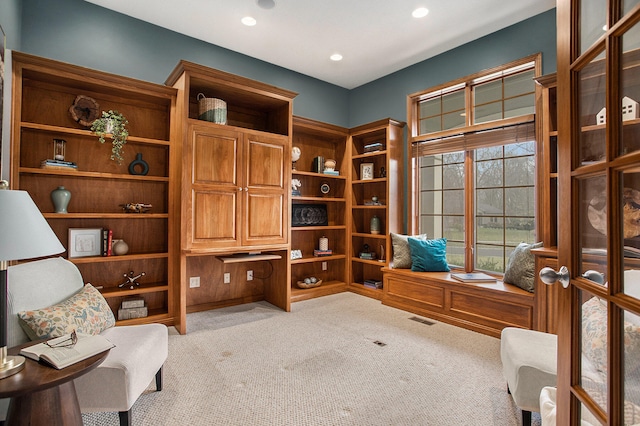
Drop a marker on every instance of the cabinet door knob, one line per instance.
(246, 189)
(239, 189)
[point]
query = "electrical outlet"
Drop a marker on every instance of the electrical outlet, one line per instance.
(227, 277)
(324, 266)
(249, 275)
(194, 282)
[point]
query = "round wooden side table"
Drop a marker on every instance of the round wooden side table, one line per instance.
(43, 395)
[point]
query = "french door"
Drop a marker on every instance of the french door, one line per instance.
(599, 218)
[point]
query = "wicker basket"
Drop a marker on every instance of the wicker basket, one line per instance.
(212, 109)
(302, 284)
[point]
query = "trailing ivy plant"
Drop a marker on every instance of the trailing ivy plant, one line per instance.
(113, 123)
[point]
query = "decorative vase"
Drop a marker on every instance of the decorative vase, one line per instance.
(323, 244)
(138, 166)
(60, 197)
(375, 225)
(119, 247)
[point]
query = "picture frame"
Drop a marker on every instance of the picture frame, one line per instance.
(84, 242)
(366, 171)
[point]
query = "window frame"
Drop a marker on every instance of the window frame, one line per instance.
(453, 140)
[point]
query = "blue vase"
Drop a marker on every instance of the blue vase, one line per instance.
(60, 197)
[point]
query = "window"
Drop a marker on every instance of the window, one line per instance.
(473, 153)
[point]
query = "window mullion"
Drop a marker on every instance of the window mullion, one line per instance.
(469, 210)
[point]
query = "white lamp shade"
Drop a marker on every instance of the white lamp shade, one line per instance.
(24, 232)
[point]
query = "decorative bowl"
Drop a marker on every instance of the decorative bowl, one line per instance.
(302, 284)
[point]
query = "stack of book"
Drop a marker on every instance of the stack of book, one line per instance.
(132, 308)
(375, 284)
(318, 253)
(331, 172)
(367, 255)
(373, 147)
(58, 165)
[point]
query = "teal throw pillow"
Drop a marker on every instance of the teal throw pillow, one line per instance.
(428, 255)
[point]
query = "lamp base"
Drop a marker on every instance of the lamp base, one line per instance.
(11, 364)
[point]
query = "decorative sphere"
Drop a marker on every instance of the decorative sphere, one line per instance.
(313, 280)
(295, 153)
(307, 280)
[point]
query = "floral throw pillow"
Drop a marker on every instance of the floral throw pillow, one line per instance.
(594, 337)
(86, 312)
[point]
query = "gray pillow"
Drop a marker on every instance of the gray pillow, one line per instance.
(401, 251)
(521, 267)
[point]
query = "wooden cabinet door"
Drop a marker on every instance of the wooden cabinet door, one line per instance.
(265, 192)
(214, 157)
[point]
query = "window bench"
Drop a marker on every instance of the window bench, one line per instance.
(483, 307)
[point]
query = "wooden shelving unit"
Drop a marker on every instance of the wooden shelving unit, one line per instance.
(43, 91)
(387, 185)
(234, 188)
(330, 142)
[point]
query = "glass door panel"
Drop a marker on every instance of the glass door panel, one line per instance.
(630, 91)
(593, 224)
(592, 101)
(593, 15)
(631, 227)
(593, 377)
(631, 368)
(627, 5)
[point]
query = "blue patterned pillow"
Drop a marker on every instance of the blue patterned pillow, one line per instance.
(429, 255)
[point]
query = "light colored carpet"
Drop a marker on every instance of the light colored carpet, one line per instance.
(320, 365)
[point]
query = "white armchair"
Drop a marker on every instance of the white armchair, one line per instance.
(139, 354)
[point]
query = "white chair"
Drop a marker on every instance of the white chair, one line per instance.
(528, 364)
(139, 354)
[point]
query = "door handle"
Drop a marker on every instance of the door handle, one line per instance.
(549, 276)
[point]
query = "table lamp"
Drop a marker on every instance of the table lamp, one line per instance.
(24, 234)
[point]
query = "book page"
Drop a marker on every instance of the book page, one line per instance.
(61, 357)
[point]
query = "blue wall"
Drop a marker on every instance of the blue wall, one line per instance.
(387, 96)
(85, 34)
(10, 13)
(82, 33)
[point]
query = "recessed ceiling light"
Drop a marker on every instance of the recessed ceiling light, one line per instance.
(336, 57)
(266, 4)
(249, 21)
(420, 12)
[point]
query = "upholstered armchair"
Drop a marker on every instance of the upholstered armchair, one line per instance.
(137, 358)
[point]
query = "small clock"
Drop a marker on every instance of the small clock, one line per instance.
(325, 188)
(85, 110)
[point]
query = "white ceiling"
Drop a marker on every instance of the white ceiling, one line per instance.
(375, 37)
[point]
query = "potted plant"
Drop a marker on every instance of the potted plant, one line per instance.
(114, 123)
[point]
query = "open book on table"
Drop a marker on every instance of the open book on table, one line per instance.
(61, 352)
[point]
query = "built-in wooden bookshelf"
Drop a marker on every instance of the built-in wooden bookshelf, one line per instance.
(43, 92)
(327, 191)
(378, 147)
